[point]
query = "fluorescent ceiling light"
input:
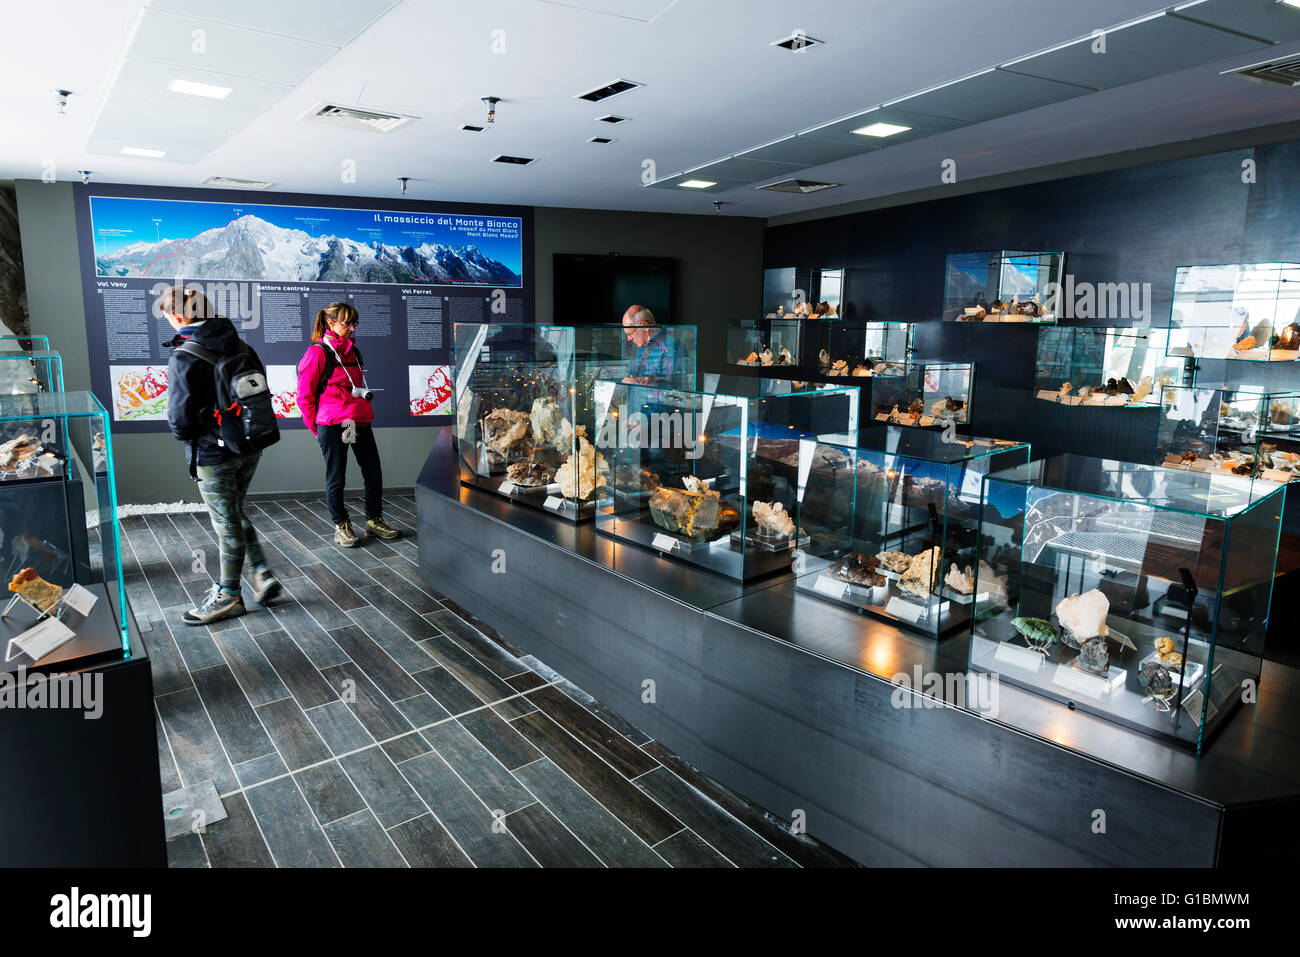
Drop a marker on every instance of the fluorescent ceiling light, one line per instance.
(200, 89)
(882, 129)
(1292, 3)
(137, 151)
(696, 184)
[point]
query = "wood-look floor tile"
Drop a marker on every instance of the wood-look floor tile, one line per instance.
(294, 735)
(377, 664)
(194, 641)
(186, 851)
(463, 815)
(290, 828)
(421, 710)
(236, 841)
(333, 575)
(493, 656)
(233, 717)
(170, 777)
(405, 588)
(493, 732)
(253, 672)
(405, 619)
(300, 676)
(359, 841)
(339, 727)
(486, 776)
(594, 733)
(385, 788)
(425, 843)
(321, 650)
(322, 610)
(329, 792)
(375, 712)
(194, 742)
(406, 747)
(550, 842)
(603, 834)
(447, 690)
(260, 769)
(688, 849)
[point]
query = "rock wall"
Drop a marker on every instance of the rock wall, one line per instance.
(13, 288)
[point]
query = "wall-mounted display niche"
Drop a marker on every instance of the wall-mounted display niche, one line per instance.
(1240, 432)
(802, 292)
(891, 526)
(1117, 367)
(926, 395)
(1242, 311)
(764, 342)
(1002, 286)
(1133, 592)
(859, 348)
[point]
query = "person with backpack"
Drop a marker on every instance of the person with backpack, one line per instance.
(335, 404)
(219, 405)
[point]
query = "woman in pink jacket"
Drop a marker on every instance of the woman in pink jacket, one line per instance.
(335, 404)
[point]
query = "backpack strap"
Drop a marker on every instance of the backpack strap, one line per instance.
(331, 363)
(194, 349)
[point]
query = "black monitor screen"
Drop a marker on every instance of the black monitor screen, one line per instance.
(595, 289)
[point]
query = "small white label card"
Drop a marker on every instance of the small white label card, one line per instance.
(506, 488)
(41, 639)
(905, 609)
(1024, 658)
(1072, 679)
(1049, 395)
(554, 502)
(80, 599)
(830, 586)
(925, 420)
(665, 543)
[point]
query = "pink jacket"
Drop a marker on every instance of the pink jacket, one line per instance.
(337, 403)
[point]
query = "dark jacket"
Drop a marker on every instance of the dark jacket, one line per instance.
(192, 391)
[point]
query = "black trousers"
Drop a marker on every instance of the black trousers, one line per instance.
(335, 450)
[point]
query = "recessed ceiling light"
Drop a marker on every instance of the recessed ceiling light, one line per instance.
(200, 89)
(600, 139)
(696, 183)
(1292, 3)
(139, 151)
(517, 160)
(797, 42)
(471, 128)
(611, 118)
(608, 90)
(882, 129)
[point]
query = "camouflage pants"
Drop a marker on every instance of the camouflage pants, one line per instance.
(223, 488)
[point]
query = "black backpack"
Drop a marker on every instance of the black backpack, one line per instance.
(332, 363)
(245, 418)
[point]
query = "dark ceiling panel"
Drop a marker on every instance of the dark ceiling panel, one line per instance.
(805, 151)
(1162, 44)
(744, 168)
(1266, 19)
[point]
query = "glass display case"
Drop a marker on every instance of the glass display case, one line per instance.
(710, 478)
(59, 539)
(1002, 286)
(1253, 435)
(1245, 311)
(791, 291)
(891, 525)
(764, 342)
(928, 395)
(859, 348)
(27, 373)
(525, 419)
(25, 343)
(1133, 592)
(1115, 367)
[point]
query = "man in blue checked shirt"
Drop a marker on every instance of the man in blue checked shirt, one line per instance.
(657, 355)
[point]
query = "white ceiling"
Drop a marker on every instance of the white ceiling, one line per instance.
(714, 87)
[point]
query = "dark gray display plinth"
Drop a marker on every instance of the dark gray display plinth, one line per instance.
(788, 700)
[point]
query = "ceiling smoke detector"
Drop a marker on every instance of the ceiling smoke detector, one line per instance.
(232, 182)
(1277, 72)
(352, 118)
(608, 90)
(797, 186)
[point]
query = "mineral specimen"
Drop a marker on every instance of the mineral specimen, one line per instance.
(897, 562)
(1143, 389)
(773, 520)
(17, 450)
(1244, 344)
(1038, 633)
(1125, 386)
(921, 574)
(841, 367)
(696, 511)
(581, 474)
(1157, 682)
(823, 359)
(785, 358)
(861, 369)
(508, 432)
(546, 419)
(1084, 616)
(962, 582)
(530, 474)
(631, 478)
(39, 593)
(858, 569)
(765, 357)
(1094, 655)
(1064, 391)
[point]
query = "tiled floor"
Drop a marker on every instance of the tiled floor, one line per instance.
(362, 720)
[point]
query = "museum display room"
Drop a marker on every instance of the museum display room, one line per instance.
(889, 473)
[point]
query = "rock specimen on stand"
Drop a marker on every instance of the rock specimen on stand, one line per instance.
(962, 582)
(773, 520)
(858, 569)
(530, 474)
(921, 574)
(629, 478)
(1084, 616)
(581, 474)
(696, 511)
(897, 562)
(546, 419)
(508, 432)
(1094, 655)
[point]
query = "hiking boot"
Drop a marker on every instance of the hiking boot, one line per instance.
(381, 529)
(216, 606)
(345, 536)
(265, 586)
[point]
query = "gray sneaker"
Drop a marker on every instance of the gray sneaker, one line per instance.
(216, 606)
(345, 536)
(265, 586)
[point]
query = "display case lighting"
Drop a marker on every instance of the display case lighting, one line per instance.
(881, 129)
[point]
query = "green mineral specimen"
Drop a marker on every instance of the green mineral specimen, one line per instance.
(1037, 630)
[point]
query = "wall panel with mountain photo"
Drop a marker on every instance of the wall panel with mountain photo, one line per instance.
(270, 261)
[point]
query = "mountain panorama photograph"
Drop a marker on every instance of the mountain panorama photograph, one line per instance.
(218, 241)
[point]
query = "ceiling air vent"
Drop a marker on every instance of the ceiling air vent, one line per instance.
(600, 139)
(1278, 72)
(517, 160)
(611, 118)
(351, 118)
(610, 89)
(797, 186)
(230, 182)
(797, 42)
(471, 128)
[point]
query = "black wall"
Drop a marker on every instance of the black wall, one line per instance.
(1130, 225)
